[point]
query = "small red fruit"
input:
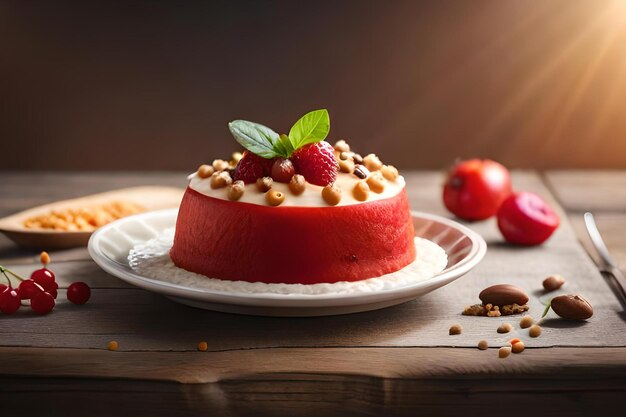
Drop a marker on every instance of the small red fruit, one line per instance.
(251, 167)
(475, 189)
(317, 163)
(78, 293)
(43, 277)
(42, 303)
(28, 288)
(282, 170)
(526, 219)
(9, 301)
(2, 288)
(53, 290)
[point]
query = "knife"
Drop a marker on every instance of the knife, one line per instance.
(606, 264)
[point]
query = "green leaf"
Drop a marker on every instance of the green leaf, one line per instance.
(284, 140)
(547, 309)
(255, 137)
(312, 127)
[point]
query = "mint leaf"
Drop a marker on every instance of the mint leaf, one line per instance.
(255, 137)
(312, 127)
(284, 140)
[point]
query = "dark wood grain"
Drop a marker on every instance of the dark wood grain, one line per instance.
(386, 361)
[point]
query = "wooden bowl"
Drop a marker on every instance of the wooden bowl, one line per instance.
(152, 198)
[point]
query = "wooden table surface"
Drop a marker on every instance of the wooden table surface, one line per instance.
(382, 362)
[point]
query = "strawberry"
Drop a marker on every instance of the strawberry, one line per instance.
(251, 167)
(316, 162)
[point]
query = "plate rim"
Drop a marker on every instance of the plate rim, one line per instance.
(476, 254)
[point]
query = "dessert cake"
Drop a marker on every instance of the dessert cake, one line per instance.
(294, 209)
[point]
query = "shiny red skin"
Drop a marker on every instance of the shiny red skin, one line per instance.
(475, 189)
(43, 277)
(306, 245)
(78, 293)
(282, 170)
(316, 162)
(526, 219)
(28, 288)
(42, 303)
(9, 301)
(251, 167)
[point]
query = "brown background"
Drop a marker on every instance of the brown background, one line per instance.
(118, 85)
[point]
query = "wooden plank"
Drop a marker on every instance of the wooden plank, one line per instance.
(612, 226)
(580, 191)
(145, 322)
(307, 395)
(603, 193)
(592, 365)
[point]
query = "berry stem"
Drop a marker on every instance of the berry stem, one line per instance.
(4, 272)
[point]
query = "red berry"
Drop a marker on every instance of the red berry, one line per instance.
(9, 301)
(282, 170)
(316, 162)
(43, 277)
(78, 293)
(28, 288)
(251, 167)
(526, 219)
(53, 290)
(2, 288)
(42, 303)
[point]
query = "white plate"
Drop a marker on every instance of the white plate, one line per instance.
(109, 247)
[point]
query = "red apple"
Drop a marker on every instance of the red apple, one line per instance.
(475, 189)
(526, 219)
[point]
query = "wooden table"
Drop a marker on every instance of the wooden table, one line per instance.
(383, 362)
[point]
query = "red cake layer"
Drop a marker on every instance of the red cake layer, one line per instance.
(305, 245)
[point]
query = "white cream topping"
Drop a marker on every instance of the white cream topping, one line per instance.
(151, 259)
(311, 197)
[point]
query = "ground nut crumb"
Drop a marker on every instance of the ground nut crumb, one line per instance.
(372, 162)
(534, 331)
(344, 156)
(236, 190)
(220, 164)
(264, 184)
(376, 183)
(518, 347)
(274, 198)
(490, 310)
(483, 345)
(346, 166)
(205, 171)
(331, 194)
(297, 184)
(389, 172)
(342, 146)
(526, 322)
(220, 179)
(44, 258)
(504, 352)
(235, 158)
(361, 191)
(505, 328)
(553, 282)
(455, 329)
